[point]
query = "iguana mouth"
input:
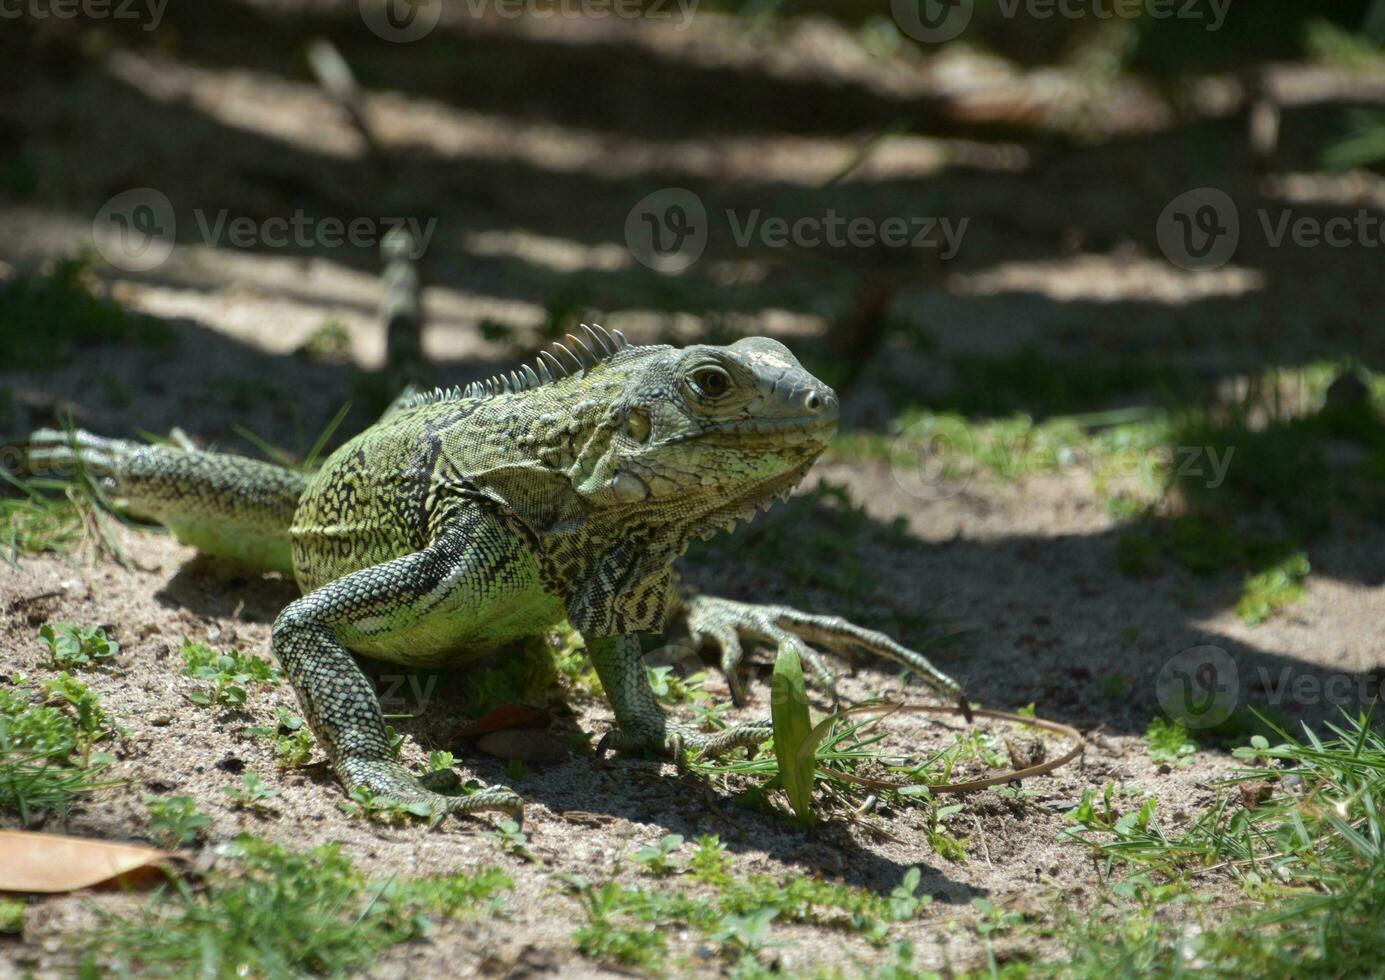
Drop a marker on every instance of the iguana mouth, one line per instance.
(791, 431)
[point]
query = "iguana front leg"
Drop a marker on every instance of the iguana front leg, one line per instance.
(394, 598)
(723, 623)
(641, 723)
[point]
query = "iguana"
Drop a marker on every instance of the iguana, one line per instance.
(468, 518)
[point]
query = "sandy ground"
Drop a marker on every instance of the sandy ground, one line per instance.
(531, 196)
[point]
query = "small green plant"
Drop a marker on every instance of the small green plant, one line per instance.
(439, 761)
(12, 914)
(991, 919)
(1169, 742)
(251, 794)
(175, 820)
(330, 343)
(1093, 815)
(394, 740)
(655, 857)
(365, 805)
(672, 689)
(945, 844)
(710, 863)
(709, 713)
(511, 839)
(746, 934)
(294, 748)
(228, 674)
(1268, 591)
(905, 900)
(72, 646)
(293, 742)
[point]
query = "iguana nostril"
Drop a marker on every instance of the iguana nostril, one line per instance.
(813, 402)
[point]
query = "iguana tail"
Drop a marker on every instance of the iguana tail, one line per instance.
(227, 506)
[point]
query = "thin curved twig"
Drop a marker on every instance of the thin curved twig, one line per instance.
(1042, 769)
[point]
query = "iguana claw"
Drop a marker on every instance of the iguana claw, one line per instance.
(390, 780)
(724, 623)
(682, 742)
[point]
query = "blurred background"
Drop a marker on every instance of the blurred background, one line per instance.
(1105, 330)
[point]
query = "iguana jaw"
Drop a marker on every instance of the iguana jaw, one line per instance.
(743, 509)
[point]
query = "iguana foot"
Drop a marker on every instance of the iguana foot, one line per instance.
(391, 781)
(680, 742)
(724, 623)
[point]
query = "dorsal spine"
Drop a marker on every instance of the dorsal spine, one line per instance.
(562, 361)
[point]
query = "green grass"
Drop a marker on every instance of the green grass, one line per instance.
(55, 516)
(267, 911)
(1303, 846)
(44, 314)
(732, 914)
(48, 736)
(1242, 482)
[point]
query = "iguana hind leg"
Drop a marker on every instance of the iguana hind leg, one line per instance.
(723, 623)
(404, 596)
(228, 506)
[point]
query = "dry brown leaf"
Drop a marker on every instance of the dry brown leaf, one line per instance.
(50, 863)
(503, 718)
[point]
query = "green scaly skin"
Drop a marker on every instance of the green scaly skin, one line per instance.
(467, 519)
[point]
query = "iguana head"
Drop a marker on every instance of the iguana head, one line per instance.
(704, 433)
(616, 456)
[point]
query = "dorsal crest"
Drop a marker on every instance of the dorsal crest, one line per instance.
(559, 361)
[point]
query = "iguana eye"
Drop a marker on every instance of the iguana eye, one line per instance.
(712, 382)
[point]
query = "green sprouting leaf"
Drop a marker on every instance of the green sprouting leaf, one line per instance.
(795, 739)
